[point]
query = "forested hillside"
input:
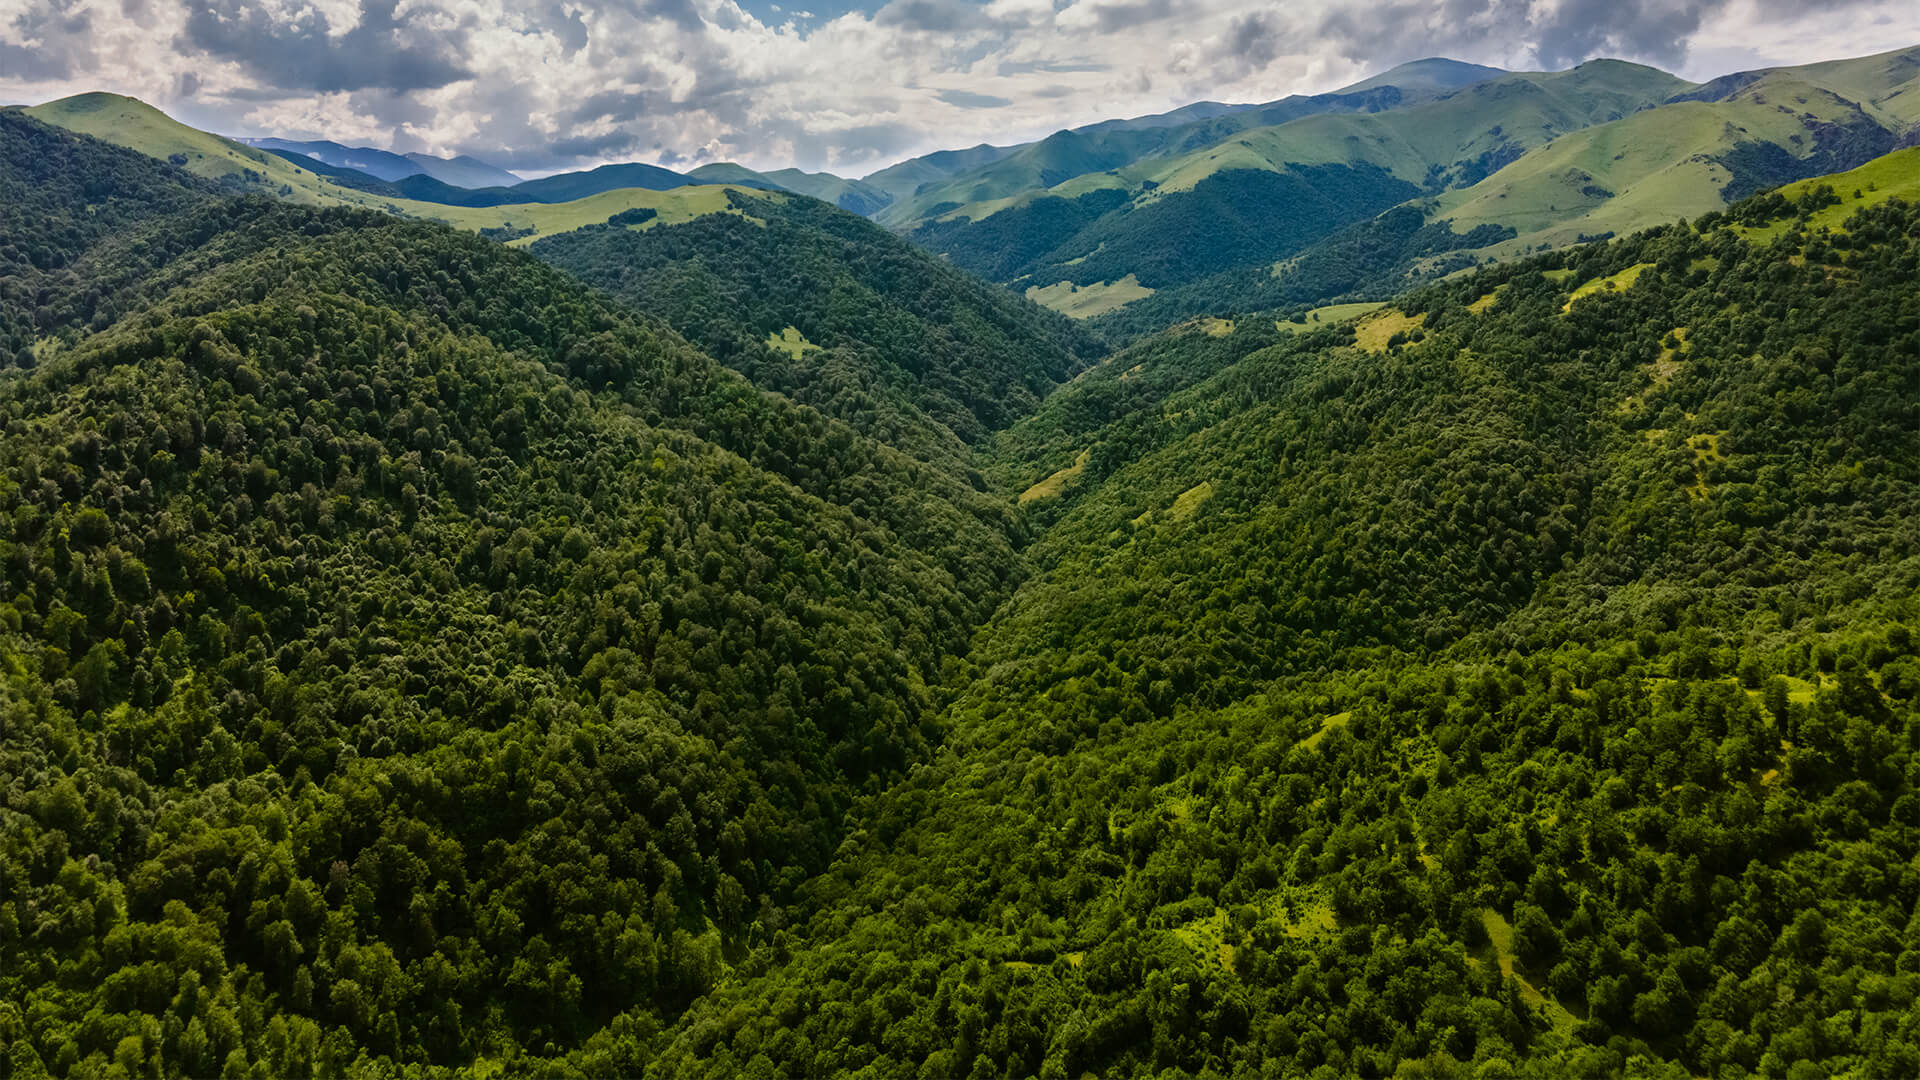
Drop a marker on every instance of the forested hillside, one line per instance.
(1521, 681)
(773, 653)
(837, 313)
(408, 655)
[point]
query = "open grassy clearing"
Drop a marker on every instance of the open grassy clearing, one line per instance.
(1328, 315)
(1500, 943)
(1053, 485)
(1374, 331)
(1327, 725)
(672, 207)
(1619, 282)
(1086, 301)
(1189, 501)
(1890, 176)
(790, 341)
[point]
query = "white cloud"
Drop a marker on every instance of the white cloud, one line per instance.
(559, 83)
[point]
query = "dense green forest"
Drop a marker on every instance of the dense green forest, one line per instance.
(1229, 219)
(1375, 259)
(415, 661)
(891, 339)
(1532, 692)
(409, 655)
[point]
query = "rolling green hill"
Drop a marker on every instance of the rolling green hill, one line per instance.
(1238, 201)
(1063, 157)
(566, 187)
(567, 201)
(1692, 154)
(136, 125)
(855, 196)
(904, 178)
(1680, 160)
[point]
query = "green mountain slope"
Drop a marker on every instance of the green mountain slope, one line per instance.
(1496, 686)
(410, 655)
(854, 196)
(464, 171)
(1117, 144)
(1694, 154)
(537, 208)
(136, 125)
(838, 313)
(906, 177)
(61, 200)
(1435, 74)
(565, 187)
(1680, 160)
(1175, 221)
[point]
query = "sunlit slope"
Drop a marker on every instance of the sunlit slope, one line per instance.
(134, 124)
(1696, 153)
(1084, 158)
(1265, 194)
(1497, 120)
(1886, 84)
(131, 123)
(1498, 117)
(1663, 164)
(671, 207)
(1895, 175)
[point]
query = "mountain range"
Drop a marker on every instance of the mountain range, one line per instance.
(1344, 196)
(688, 628)
(724, 638)
(462, 171)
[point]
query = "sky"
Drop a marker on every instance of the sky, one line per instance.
(846, 86)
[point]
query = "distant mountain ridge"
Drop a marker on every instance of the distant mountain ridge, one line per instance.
(461, 171)
(1497, 166)
(1211, 208)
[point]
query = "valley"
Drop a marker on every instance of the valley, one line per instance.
(1417, 580)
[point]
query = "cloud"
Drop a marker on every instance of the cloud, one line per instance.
(543, 85)
(54, 40)
(379, 49)
(1252, 41)
(967, 99)
(1110, 16)
(930, 16)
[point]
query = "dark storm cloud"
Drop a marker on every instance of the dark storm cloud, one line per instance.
(967, 99)
(383, 51)
(65, 41)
